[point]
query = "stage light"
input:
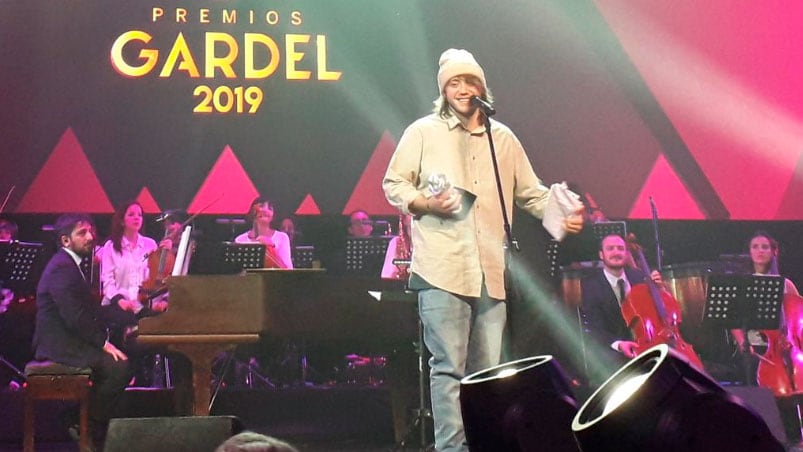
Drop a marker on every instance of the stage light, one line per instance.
(522, 405)
(660, 402)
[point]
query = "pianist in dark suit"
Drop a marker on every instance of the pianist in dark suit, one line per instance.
(69, 326)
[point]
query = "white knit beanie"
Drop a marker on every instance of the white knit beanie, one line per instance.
(454, 62)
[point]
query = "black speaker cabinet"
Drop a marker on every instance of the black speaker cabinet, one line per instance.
(763, 402)
(175, 434)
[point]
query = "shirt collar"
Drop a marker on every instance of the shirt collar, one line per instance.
(612, 279)
(74, 256)
(453, 121)
(125, 243)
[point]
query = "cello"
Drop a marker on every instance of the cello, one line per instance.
(652, 314)
(272, 259)
(780, 369)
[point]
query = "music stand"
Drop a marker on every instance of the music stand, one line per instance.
(22, 266)
(744, 302)
(303, 256)
(244, 255)
(365, 255)
(606, 228)
(226, 258)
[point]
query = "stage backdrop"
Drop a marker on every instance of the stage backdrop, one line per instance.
(204, 104)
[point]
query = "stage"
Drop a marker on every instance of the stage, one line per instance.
(317, 418)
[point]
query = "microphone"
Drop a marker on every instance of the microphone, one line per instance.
(486, 106)
(162, 217)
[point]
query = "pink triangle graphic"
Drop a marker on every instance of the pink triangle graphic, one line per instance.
(227, 188)
(308, 206)
(791, 207)
(149, 204)
(671, 198)
(368, 194)
(66, 183)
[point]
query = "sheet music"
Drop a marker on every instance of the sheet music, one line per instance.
(180, 267)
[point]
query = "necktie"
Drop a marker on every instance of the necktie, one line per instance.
(622, 290)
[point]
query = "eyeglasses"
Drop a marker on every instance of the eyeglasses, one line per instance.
(362, 223)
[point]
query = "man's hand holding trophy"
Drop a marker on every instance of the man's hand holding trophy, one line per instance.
(446, 201)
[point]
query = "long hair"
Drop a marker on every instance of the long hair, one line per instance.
(118, 224)
(441, 105)
(773, 268)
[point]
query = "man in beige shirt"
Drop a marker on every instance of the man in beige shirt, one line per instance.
(458, 260)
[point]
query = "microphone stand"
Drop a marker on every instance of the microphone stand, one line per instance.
(511, 243)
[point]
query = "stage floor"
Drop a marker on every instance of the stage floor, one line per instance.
(328, 419)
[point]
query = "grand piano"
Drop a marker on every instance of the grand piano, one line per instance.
(210, 314)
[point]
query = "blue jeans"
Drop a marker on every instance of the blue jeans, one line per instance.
(464, 335)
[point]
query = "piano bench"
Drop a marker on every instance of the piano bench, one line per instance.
(46, 380)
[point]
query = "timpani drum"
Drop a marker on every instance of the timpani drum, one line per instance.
(688, 283)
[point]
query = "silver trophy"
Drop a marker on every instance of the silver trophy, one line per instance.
(440, 187)
(438, 183)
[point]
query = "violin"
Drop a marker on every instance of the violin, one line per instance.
(780, 369)
(160, 265)
(652, 314)
(162, 261)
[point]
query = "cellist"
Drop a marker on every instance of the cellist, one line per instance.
(277, 243)
(602, 296)
(764, 261)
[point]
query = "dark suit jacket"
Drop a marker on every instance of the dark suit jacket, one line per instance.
(69, 326)
(603, 323)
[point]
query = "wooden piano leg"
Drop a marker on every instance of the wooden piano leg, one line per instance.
(201, 356)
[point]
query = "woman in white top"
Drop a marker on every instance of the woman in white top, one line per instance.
(124, 263)
(277, 243)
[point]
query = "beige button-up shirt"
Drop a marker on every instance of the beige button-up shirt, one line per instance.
(452, 254)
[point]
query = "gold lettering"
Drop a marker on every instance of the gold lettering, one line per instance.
(295, 18)
(157, 13)
(292, 57)
(203, 15)
(150, 56)
(223, 62)
(323, 73)
(251, 16)
(273, 54)
(181, 15)
(187, 64)
(229, 17)
(272, 17)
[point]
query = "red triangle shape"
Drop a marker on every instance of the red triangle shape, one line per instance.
(149, 204)
(672, 199)
(368, 194)
(227, 188)
(66, 183)
(308, 206)
(791, 206)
